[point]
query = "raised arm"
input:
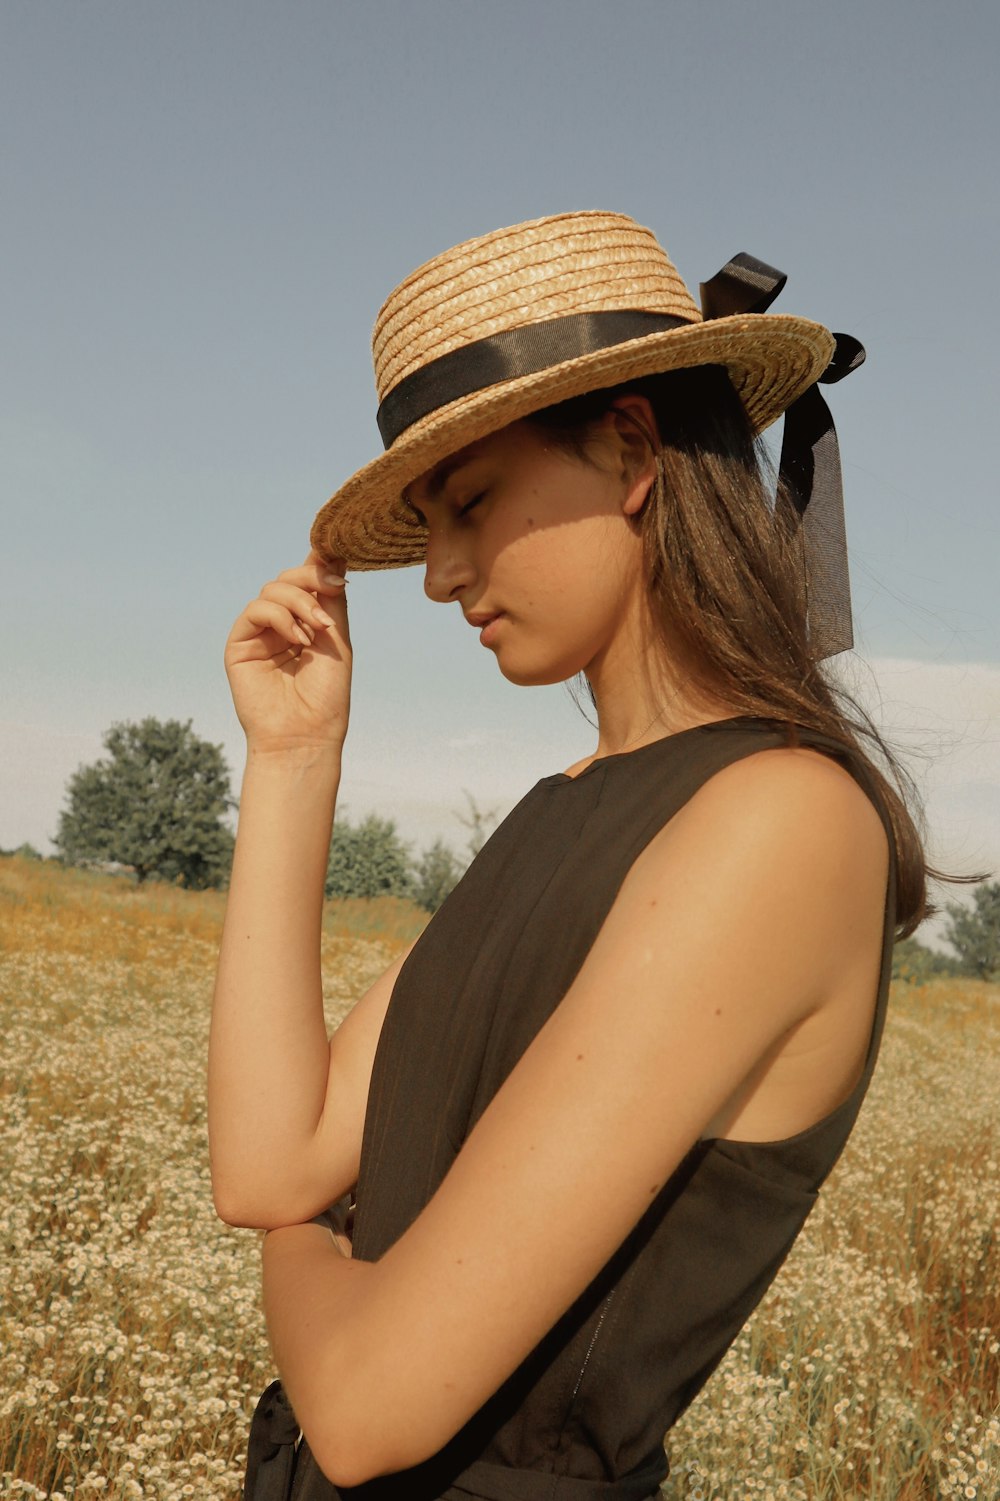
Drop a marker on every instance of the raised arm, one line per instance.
(734, 924)
(285, 1106)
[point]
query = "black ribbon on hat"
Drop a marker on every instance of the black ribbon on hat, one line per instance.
(505, 356)
(809, 471)
(809, 467)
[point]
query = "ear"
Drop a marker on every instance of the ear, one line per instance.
(634, 426)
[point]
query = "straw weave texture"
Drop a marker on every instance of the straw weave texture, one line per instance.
(520, 276)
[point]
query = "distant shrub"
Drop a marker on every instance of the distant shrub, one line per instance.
(974, 933)
(438, 872)
(368, 859)
(25, 852)
(914, 963)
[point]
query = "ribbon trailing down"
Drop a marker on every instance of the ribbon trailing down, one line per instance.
(809, 471)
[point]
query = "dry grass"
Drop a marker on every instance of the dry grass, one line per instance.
(131, 1344)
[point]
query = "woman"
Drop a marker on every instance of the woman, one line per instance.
(625, 1053)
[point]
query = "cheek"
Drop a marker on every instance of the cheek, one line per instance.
(540, 574)
(593, 564)
(568, 590)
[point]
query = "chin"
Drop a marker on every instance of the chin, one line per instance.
(538, 674)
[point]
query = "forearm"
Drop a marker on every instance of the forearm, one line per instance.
(269, 1055)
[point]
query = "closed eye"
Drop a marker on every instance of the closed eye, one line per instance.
(419, 516)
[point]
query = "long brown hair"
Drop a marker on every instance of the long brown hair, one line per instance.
(725, 580)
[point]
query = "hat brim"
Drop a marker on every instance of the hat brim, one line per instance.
(771, 359)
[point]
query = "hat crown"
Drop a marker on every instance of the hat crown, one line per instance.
(546, 268)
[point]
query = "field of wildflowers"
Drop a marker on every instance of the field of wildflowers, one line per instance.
(131, 1343)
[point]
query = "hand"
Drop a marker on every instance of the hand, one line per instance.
(288, 660)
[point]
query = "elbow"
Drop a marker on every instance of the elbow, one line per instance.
(251, 1205)
(369, 1431)
(229, 1196)
(360, 1457)
(344, 1466)
(245, 1210)
(232, 1207)
(232, 1211)
(346, 1452)
(232, 1196)
(252, 1214)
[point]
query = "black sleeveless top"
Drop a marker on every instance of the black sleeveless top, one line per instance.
(583, 1418)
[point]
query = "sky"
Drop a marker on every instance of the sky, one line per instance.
(204, 207)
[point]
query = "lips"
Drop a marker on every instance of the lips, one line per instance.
(486, 622)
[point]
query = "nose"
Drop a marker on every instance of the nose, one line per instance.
(448, 569)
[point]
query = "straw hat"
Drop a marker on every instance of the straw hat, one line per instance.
(513, 321)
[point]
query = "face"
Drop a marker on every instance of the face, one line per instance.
(537, 547)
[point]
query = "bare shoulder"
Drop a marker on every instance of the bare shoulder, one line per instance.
(793, 847)
(795, 792)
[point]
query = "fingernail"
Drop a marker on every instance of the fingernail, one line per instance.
(336, 579)
(322, 616)
(306, 640)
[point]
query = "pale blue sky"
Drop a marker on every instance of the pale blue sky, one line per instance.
(204, 206)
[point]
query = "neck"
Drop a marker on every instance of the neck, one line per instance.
(642, 694)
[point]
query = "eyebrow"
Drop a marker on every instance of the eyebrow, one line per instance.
(443, 472)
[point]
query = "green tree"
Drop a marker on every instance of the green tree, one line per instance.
(438, 872)
(974, 932)
(915, 963)
(156, 802)
(368, 859)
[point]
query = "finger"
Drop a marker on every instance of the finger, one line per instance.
(334, 564)
(330, 592)
(264, 614)
(299, 601)
(266, 647)
(317, 573)
(331, 572)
